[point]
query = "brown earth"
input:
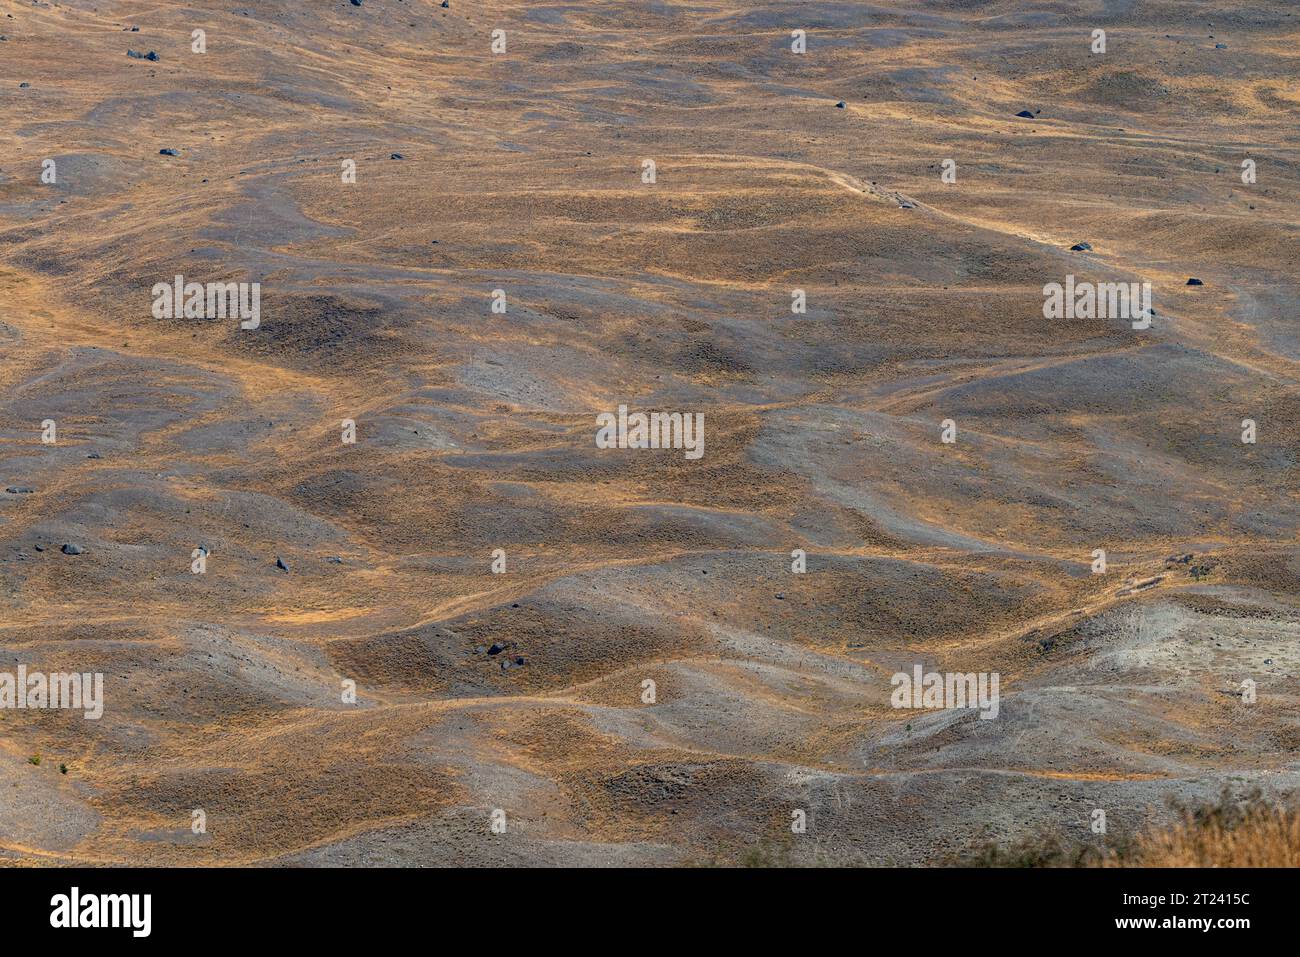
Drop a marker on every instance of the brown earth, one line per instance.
(522, 171)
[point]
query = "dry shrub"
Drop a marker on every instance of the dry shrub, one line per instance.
(1244, 831)
(1231, 833)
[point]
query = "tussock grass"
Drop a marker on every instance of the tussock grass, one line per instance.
(1233, 831)
(1225, 834)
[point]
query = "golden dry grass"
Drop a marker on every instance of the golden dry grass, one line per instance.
(1258, 836)
(1232, 831)
(368, 565)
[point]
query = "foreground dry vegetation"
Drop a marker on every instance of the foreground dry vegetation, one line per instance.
(1245, 831)
(524, 692)
(1256, 836)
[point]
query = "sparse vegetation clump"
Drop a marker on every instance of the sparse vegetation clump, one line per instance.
(1040, 849)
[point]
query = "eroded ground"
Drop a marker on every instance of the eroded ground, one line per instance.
(523, 172)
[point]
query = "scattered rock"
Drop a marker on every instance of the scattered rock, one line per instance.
(1195, 282)
(19, 490)
(168, 151)
(356, 3)
(1026, 114)
(496, 649)
(137, 55)
(396, 156)
(840, 105)
(334, 560)
(94, 455)
(1081, 248)
(280, 564)
(1221, 46)
(71, 549)
(40, 548)
(445, 4)
(24, 85)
